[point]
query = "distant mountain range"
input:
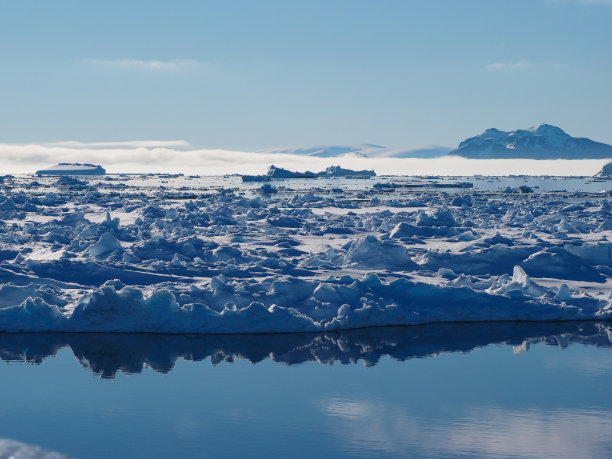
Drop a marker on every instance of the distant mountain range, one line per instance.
(543, 141)
(540, 142)
(362, 150)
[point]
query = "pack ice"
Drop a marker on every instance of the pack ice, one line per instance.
(175, 254)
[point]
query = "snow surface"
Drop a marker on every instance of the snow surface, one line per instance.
(167, 255)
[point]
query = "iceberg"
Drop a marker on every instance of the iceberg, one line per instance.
(331, 172)
(72, 169)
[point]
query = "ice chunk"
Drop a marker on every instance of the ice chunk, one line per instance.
(106, 245)
(467, 236)
(371, 280)
(498, 239)
(447, 273)
(368, 251)
(563, 293)
(599, 253)
(565, 226)
(561, 264)
(435, 217)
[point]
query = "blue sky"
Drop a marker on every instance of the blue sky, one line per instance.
(249, 75)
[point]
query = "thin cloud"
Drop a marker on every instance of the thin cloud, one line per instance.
(154, 64)
(123, 144)
(482, 431)
(583, 2)
(521, 65)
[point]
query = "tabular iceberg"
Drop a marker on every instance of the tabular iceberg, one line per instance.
(72, 169)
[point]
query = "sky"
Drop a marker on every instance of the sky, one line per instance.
(246, 75)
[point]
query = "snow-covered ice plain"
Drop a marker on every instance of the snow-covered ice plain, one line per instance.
(176, 254)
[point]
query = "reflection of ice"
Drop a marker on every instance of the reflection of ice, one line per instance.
(105, 354)
(15, 450)
(483, 432)
(523, 347)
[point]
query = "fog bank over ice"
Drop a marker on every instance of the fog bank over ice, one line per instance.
(176, 157)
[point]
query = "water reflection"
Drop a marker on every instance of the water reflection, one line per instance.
(106, 354)
(375, 427)
(12, 449)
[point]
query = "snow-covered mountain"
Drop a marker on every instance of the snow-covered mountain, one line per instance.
(539, 142)
(543, 141)
(362, 150)
(606, 171)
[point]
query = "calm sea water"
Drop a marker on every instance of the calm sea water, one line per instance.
(472, 390)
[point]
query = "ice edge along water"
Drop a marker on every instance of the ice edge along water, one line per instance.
(220, 262)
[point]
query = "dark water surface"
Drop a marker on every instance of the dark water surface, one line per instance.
(463, 390)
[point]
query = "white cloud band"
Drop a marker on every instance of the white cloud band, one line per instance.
(153, 157)
(154, 64)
